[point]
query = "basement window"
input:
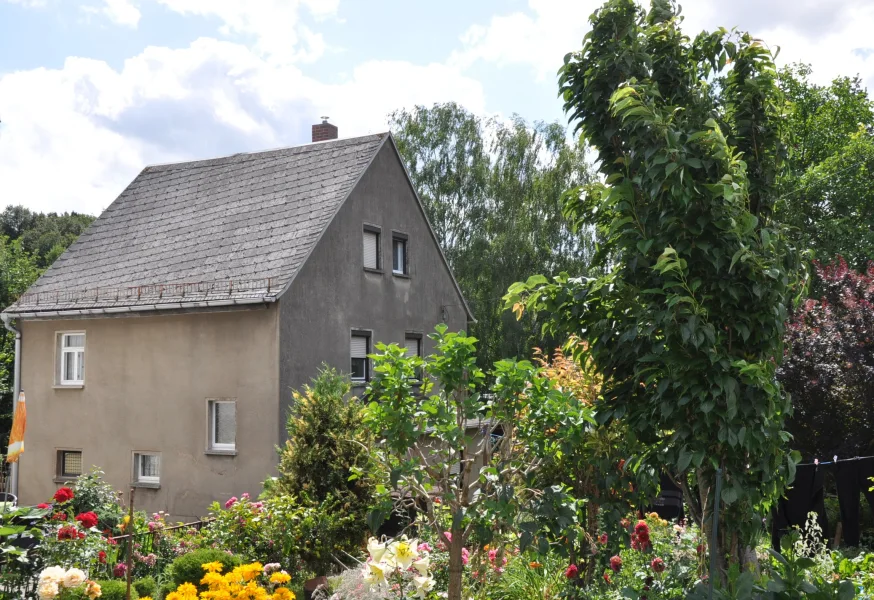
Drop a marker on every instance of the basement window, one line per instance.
(147, 469)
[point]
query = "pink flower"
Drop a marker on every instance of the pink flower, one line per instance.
(119, 570)
(152, 525)
(492, 555)
(465, 556)
(603, 539)
(231, 501)
(571, 572)
(244, 496)
(423, 547)
(616, 563)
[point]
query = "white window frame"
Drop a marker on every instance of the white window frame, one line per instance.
(211, 425)
(147, 479)
(403, 240)
(74, 352)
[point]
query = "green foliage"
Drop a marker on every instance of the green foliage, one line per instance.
(283, 530)
(92, 493)
(187, 568)
(686, 326)
(326, 444)
(115, 589)
(492, 191)
(43, 235)
(146, 587)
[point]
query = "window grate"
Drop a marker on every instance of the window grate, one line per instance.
(71, 463)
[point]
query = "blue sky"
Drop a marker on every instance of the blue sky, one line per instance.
(93, 90)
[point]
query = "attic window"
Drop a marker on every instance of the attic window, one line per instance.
(371, 247)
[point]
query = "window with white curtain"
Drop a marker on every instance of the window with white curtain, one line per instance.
(399, 255)
(222, 425)
(371, 248)
(71, 358)
(359, 350)
(147, 467)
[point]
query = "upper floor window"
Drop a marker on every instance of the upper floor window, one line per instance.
(360, 348)
(399, 254)
(71, 358)
(371, 247)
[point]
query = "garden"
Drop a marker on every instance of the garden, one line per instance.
(705, 351)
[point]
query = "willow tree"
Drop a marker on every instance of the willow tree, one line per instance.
(686, 325)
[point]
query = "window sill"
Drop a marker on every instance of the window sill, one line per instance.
(401, 275)
(146, 484)
(216, 452)
(63, 479)
(377, 271)
(69, 386)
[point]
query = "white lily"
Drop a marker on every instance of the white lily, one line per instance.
(422, 565)
(375, 549)
(423, 585)
(374, 573)
(402, 553)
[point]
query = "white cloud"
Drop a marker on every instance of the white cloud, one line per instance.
(537, 39)
(29, 3)
(123, 12)
(74, 137)
(275, 25)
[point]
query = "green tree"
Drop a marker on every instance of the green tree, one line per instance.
(492, 191)
(686, 326)
(45, 236)
(18, 270)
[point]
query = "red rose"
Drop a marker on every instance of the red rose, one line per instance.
(87, 519)
(63, 494)
(59, 516)
(571, 572)
(607, 578)
(699, 548)
(119, 570)
(43, 506)
(616, 564)
(101, 556)
(603, 539)
(658, 565)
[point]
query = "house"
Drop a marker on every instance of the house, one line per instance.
(163, 345)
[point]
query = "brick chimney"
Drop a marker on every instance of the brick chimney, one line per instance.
(324, 131)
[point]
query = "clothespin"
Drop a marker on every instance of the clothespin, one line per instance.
(835, 458)
(816, 461)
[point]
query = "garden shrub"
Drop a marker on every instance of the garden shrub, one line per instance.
(146, 587)
(93, 494)
(187, 568)
(116, 589)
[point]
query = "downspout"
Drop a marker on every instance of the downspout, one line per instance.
(16, 390)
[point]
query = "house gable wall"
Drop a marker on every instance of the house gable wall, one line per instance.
(333, 294)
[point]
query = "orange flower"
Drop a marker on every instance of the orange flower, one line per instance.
(534, 564)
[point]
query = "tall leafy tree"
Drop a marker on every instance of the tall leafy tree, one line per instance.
(826, 180)
(492, 191)
(686, 325)
(44, 235)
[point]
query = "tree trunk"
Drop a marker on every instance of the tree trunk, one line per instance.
(455, 565)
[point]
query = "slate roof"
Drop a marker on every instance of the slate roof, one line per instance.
(235, 228)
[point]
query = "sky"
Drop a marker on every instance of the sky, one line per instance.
(92, 91)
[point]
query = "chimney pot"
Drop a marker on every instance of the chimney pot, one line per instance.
(324, 131)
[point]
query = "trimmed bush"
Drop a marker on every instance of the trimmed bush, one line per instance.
(146, 587)
(166, 589)
(187, 568)
(115, 589)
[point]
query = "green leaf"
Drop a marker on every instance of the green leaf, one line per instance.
(684, 459)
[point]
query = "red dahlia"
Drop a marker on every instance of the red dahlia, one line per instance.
(616, 564)
(571, 572)
(658, 565)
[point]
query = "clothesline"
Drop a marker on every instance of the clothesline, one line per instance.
(835, 461)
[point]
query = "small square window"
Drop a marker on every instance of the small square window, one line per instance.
(71, 358)
(399, 256)
(360, 363)
(69, 464)
(147, 467)
(223, 425)
(371, 248)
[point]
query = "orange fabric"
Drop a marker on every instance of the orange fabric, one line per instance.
(16, 438)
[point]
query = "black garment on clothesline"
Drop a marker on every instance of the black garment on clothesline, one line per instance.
(853, 477)
(806, 495)
(669, 504)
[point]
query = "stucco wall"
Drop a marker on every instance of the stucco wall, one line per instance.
(333, 294)
(146, 384)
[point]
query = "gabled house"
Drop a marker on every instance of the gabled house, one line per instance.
(163, 345)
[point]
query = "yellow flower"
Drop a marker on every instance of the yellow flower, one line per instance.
(653, 515)
(185, 591)
(283, 594)
(280, 577)
(251, 571)
(212, 567)
(403, 552)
